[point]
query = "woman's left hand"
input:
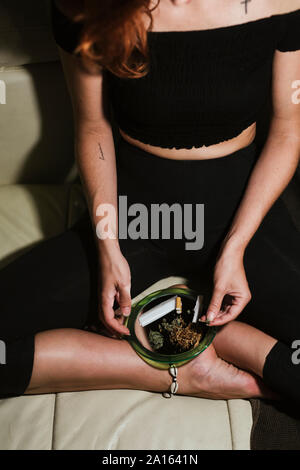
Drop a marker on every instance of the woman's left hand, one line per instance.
(231, 291)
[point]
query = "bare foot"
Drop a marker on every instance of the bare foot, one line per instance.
(208, 376)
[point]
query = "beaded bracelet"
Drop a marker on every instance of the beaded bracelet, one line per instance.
(174, 385)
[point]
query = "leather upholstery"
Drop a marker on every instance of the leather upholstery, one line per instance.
(37, 117)
(37, 149)
(35, 121)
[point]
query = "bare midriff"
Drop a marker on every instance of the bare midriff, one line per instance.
(221, 149)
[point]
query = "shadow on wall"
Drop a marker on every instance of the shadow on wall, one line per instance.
(38, 127)
(38, 103)
(36, 123)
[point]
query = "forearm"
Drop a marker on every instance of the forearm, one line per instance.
(95, 156)
(271, 174)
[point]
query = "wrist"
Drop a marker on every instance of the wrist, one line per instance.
(233, 245)
(107, 247)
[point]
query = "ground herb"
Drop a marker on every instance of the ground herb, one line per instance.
(175, 333)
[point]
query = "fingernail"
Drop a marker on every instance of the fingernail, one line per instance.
(126, 311)
(210, 317)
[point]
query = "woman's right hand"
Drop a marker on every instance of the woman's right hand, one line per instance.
(115, 279)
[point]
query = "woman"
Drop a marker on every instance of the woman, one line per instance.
(186, 80)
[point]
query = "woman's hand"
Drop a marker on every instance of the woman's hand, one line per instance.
(115, 282)
(231, 291)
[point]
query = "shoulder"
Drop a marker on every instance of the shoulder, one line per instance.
(289, 22)
(282, 7)
(266, 8)
(259, 9)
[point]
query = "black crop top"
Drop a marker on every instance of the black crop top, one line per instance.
(203, 86)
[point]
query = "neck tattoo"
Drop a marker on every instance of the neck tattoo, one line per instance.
(245, 2)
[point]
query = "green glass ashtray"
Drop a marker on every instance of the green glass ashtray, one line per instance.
(172, 338)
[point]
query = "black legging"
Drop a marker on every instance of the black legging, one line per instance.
(54, 285)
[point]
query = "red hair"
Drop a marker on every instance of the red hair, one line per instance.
(113, 33)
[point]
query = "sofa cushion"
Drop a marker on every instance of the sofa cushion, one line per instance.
(126, 419)
(27, 422)
(29, 213)
(36, 125)
(123, 420)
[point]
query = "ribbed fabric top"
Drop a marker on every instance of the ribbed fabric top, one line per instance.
(203, 86)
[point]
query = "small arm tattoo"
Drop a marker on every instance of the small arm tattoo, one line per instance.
(101, 155)
(245, 3)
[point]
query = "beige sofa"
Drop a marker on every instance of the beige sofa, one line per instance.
(40, 197)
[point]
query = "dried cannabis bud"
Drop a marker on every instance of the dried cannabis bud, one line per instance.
(175, 332)
(156, 339)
